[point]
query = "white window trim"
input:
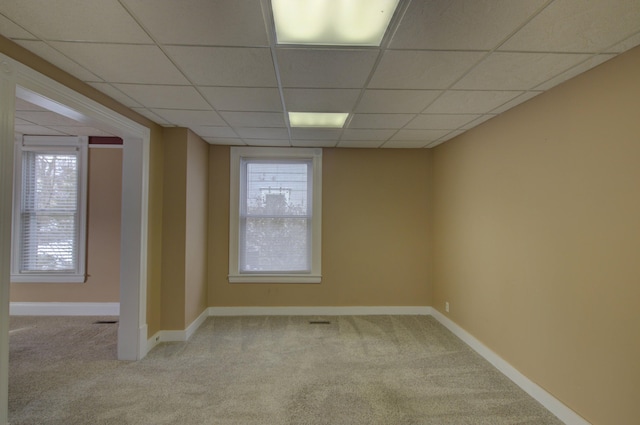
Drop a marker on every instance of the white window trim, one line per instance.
(55, 144)
(237, 153)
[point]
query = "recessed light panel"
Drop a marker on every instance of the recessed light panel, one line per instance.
(332, 22)
(317, 119)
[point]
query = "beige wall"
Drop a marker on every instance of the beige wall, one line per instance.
(184, 265)
(103, 239)
(374, 233)
(536, 217)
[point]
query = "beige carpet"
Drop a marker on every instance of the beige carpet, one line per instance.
(396, 370)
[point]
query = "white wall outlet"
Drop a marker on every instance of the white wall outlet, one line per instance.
(446, 306)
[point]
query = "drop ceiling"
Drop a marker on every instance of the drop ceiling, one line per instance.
(214, 66)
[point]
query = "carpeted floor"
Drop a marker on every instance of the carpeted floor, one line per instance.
(391, 370)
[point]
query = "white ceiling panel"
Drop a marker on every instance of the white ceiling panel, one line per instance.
(53, 56)
(242, 98)
(578, 26)
(254, 119)
(226, 142)
(517, 71)
(414, 69)
(263, 133)
(366, 134)
(313, 143)
(225, 66)
(315, 134)
(202, 22)
(380, 120)
(124, 63)
(478, 121)
(462, 24)
(46, 118)
(11, 30)
(76, 20)
(188, 118)
(470, 102)
(515, 101)
(322, 68)
(212, 131)
(625, 45)
(166, 97)
(405, 144)
(396, 101)
(116, 94)
(267, 142)
(593, 61)
(423, 135)
(441, 121)
(152, 116)
(320, 100)
(369, 144)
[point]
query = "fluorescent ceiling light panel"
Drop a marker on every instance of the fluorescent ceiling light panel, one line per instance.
(318, 119)
(332, 22)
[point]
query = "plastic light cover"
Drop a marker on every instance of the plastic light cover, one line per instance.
(332, 22)
(317, 119)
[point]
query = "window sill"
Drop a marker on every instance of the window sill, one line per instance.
(274, 278)
(47, 278)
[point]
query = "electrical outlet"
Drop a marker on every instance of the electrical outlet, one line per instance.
(158, 338)
(446, 306)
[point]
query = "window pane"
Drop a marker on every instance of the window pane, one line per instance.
(277, 189)
(49, 242)
(275, 244)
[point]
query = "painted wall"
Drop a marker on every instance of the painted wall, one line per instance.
(536, 219)
(154, 259)
(104, 210)
(184, 266)
(374, 233)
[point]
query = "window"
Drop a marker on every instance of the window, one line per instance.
(275, 218)
(49, 209)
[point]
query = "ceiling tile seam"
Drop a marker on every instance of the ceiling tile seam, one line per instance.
(184, 74)
(268, 20)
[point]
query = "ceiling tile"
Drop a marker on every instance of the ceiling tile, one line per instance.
(470, 102)
(380, 120)
(462, 24)
(152, 116)
(325, 68)
(625, 45)
(46, 118)
(124, 63)
(188, 118)
(423, 135)
(405, 144)
(396, 101)
(359, 144)
(263, 133)
(592, 62)
(556, 27)
(445, 138)
(517, 71)
(413, 69)
(115, 94)
(315, 134)
(515, 101)
(478, 121)
(225, 141)
(211, 132)
(254, 119)
(314, 143)
(53, 56)
(76, 20)
(167, 97)
(225, 66)
(320, 100)
(203, 22)
(441, 121)
(362, 134)
(242, 99)
(10, 30)
(267, 142)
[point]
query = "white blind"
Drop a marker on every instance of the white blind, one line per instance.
(49, 212)
(275, 216)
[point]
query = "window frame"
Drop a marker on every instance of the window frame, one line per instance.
(54, 145)
(237, 155)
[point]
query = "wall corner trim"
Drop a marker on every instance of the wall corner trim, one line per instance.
(63, 309)
(555, 406)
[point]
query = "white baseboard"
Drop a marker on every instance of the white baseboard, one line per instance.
(64, 309)
(319, 311)
(176, 336)
(551, 403)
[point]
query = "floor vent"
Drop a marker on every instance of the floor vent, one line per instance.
(319, 322)
(105, 322)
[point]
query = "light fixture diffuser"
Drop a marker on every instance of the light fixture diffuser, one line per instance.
(318, 119)
(332, 22)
